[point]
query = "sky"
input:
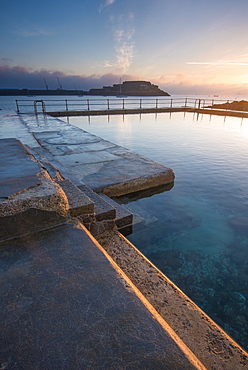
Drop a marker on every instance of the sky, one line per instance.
(183, 46)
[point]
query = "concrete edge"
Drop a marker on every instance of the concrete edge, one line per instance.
(142, 183)
(188, 353)
(109, 112)
(219, 112)
(209, 343)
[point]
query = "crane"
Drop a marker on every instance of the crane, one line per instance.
(45, 83)
(60, 86)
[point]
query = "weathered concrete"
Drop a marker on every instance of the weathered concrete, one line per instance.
(212, 346)
(103, 210)
(28, 192)
(66, 305)
(29, 199)
(79, 203)
(103, 166)
(123, 216)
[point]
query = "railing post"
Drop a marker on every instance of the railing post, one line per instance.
(108, 103)
(88, 103)
(66, 105)
(199, 104)
(156, 103)
(185, 102)
(171, 103)
(17, 106)
(123, 104)
(43, 107)
(140, 103)
(35, 108)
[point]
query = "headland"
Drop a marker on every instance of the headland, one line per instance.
(128, 88)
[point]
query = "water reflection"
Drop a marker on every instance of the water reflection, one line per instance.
(147, 193)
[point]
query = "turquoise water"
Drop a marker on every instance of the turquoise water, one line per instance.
(196, 233)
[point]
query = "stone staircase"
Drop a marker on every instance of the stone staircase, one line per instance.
(35, 194)
(96, 211)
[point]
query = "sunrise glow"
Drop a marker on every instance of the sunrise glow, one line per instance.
(186, 47)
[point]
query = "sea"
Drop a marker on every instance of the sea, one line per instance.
(196, 232)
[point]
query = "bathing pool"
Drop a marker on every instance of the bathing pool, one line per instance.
(197, 232)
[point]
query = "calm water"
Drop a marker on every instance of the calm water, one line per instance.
(196, 233)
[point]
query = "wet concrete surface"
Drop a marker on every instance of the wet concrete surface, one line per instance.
(11, 126)
(64, 305)
(17, 170)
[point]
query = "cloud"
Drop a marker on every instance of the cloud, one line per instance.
(220, 63)
(184, 84)
(124, 56)
(21, 77)
(107, 3)
(123, 33)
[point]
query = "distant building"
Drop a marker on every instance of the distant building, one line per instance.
(130, 88)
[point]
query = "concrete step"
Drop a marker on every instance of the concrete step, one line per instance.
(103, 209)
(79, 202)
(124, 217)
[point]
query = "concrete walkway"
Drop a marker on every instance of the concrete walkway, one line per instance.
(100, 164)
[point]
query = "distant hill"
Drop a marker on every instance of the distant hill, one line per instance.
(235, 105)
(127, 88)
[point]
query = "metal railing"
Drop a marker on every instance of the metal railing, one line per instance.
(112, 104)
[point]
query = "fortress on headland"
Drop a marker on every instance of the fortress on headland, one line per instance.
(130, 88)
(127, 88)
